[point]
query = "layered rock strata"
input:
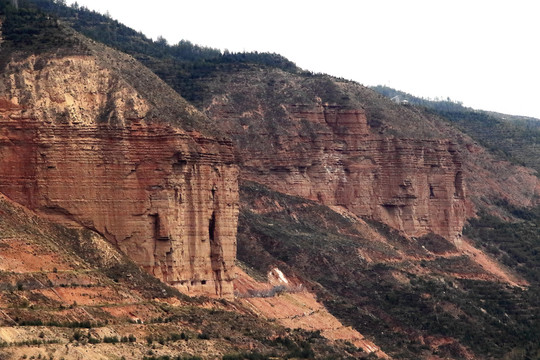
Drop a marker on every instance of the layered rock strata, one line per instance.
(76, 144)
(328, 153)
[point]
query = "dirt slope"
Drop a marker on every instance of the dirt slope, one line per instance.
(67, 293)
(415, 298)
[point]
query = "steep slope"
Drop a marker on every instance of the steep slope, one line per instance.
(413, 292)
(419, 298)
(260, 94)
(296, 134)
(344, 144)
(288, 302)
(68, 293)
(89, 136)
(111, 152)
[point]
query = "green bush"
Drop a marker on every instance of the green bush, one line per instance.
(111, 339)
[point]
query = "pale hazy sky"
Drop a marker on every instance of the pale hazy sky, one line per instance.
(484, 53)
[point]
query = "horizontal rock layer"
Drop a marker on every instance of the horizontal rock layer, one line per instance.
(327, 153)
(76, 145)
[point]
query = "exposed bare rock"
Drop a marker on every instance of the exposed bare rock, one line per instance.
(330, 155)
(82, 145)
(342, 144)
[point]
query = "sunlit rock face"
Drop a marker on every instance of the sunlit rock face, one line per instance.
(329, 154)
(77, 144)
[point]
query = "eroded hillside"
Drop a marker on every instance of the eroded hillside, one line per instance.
(292, 137)
(68, 293)
(366, 248)
(98, 140)
(415, 298)
(320, 137)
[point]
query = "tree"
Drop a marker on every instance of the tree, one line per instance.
(162, 41)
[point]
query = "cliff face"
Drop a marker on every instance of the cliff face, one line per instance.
(329, 154)
(340, 143)
(78, 144)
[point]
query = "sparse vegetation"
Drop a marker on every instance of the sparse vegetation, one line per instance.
(69, 324)
(246, 356)
(28, 28)
(111, 339)
(401, 304)
(515, 243)
(32, 342)
(168, 357)
(513, 138)
(368, 297)
(177, 64)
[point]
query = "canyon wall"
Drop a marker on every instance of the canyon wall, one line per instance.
(77, 144)
(328, 153)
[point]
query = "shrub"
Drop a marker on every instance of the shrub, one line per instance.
(111, 339)
(203, 336)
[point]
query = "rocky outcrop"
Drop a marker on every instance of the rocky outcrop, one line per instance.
(340, 143)
(328, 153)
(79, 144)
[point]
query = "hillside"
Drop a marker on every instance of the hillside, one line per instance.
(177, 64)
(92, 137)
(315, 134)
(203, 74)
(210, 79)
(67, 293)
(416, 298)
(115, 164)
(362, 228)
(514, 138)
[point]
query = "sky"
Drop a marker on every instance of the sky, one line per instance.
(483, 53)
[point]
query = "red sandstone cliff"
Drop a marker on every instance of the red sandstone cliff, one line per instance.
(413, 185)
(342, 144)
(81, 142)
